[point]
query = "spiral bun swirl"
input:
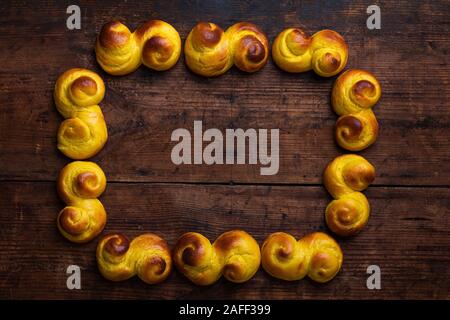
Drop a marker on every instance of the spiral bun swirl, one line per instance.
(235, 254)
(344, 178)
(326, 52)
(354, 94)
(248, 45)
(79, 185)
(209, 51)
(147, 256)
(316, 255)
(156, 44)
(77, 93)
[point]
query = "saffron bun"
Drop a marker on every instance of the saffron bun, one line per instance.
(209, 51)
(326, 52)
(354, 94)
(147, 256)
(156, 44)
(235, 255)
(344, 178)
(316, 255)
(77, 94)
(79, 185)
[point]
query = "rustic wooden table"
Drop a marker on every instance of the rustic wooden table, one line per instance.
(408, 232)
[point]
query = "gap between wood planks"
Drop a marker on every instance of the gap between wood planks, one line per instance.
(232, 183)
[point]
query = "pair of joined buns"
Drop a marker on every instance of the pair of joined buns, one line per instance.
(211, 51)
(79, 185)
(119, 51)
(344, 178)
(354, 94)
(77, 94)
(235, 254)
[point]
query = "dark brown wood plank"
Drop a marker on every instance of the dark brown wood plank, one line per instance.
(409, 55)
(407, 236)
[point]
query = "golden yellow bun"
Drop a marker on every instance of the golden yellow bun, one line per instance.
(209, 51)
(248, 45)
(77, 95)
(316, 255)
(79, 185)
(147, 256)
(354, 94)
(156, 44)
(326, 52)
(235, 254)
(344, 178)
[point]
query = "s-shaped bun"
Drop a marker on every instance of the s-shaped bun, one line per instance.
(235, 254)
(80, 183)
(209, 51)
(77, 95)
(147, 256)
(119, 51)
(326, 52)
(316, 255)
(344, 178)
(354, 94)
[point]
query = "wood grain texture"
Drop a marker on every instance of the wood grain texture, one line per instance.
(409, 55)
(407, 235)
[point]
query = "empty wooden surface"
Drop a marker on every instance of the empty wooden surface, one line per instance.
(408, 233)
